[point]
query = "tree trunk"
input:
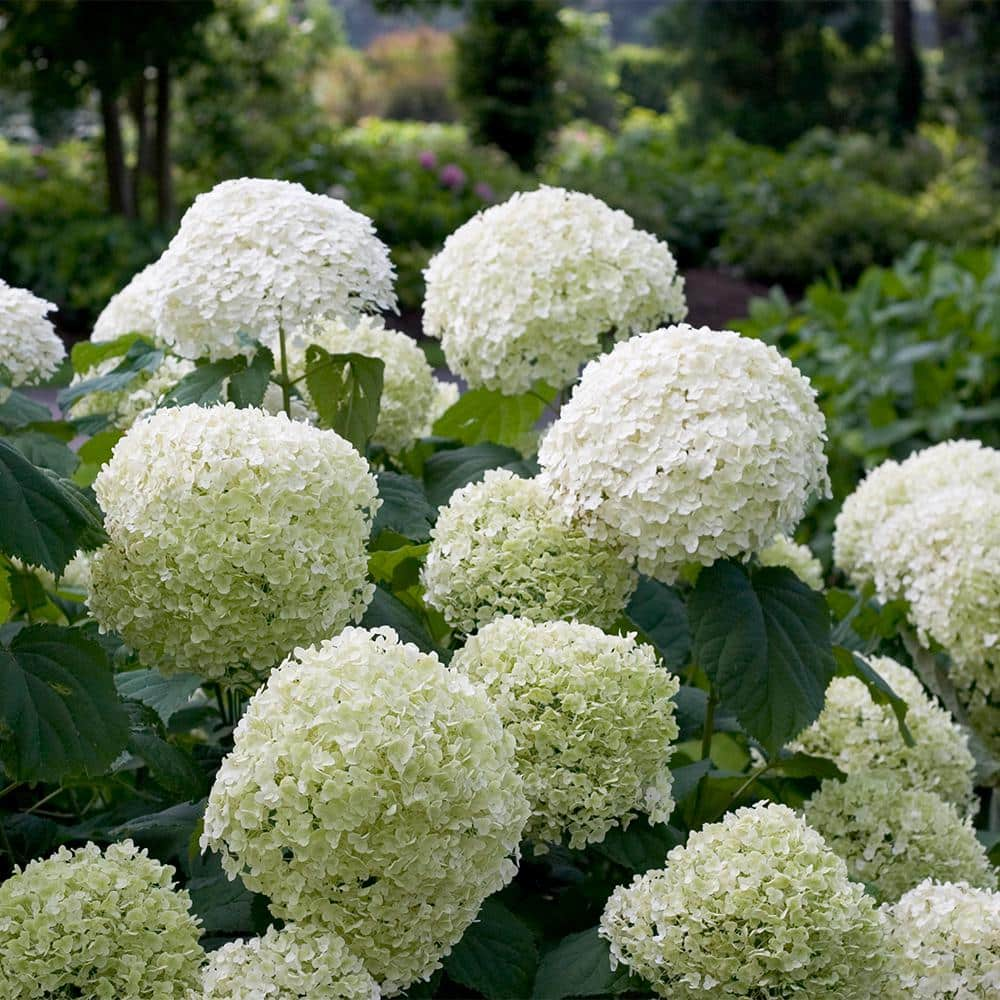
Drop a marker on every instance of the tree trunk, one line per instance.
(119, 194)
(164, 178)
(909, 72)
(144, 148)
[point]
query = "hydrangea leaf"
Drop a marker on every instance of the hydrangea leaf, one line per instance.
(248, 385)
(580, 966)
(405, 509)
(165, 695)
(18, 410)
(489, 415)
(346, 390)
(447, 471)
(88, 353)
(849, 664)
(387, 609)
(659, 611)
(204, 385)
(642, 846)
(45, 451)
(140, 357)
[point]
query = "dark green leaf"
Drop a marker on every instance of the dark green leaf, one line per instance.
(172, 767)
(203, 386)
(642, 846)
(140, 357)
(802, 765)
(248, 385)
(386, 609)
(405, 509)
(225, 907)
(687, 777)
(97, 450)
(165, 695)
(659, 611)
(87, 354)
(46, 451)
(447, 471)
(850, 664)
(488, 415)
(167, 834)
(59, 711)
(580, 966)
(18, 410)
(346, 390)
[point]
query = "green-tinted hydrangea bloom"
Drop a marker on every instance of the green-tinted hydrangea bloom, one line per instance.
(798, 558)
(500, 547)
(593, 718)
(893, 837)
(100, 925)
(374, 791)
(756, 906)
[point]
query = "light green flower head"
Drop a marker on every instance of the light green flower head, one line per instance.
(101, 925)
(374, 791)
(501, 547)
(593, 718)
(893, 837)
(798, 558)
(757, 907)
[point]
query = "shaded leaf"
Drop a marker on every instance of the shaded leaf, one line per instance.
(248, 385)
(447, 471)
(19, 410)
(580, 966)
(850, 664)
(165, 695)
(204, 385)
(140, 357)
(405, 509)
(660, 612)
(88, 353)
(642, 846)
(346, 390)
(386, 609)
(488, 415)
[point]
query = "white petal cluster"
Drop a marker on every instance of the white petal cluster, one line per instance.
(298, 962)
(783, 551)
(893, 837)
(757, 907)
(446, 395)
(374, 792)
(947, 941)
(252, 256)
(501, 547)
(124, 406)
(88, 923)
(858, 735)
(686, 446)
(235, 536)
(131, 309)
(30, 348)
(593, 718)
(526, 290)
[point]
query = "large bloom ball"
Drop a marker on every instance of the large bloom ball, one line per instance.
(30, 349)
(298, 962)
(526, 290)
(687, 446)
(858, 735)
(106, 925)
(893, 837)
(593, 718)
(783, 551)
(408, 391)
(374, 791)
(252, 256)
(756, 906)
(947, 938)
(131, 309)
(501, 547)
(235, 535)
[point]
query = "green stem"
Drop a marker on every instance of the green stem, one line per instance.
(759, 773)
(286, 386)
(709, 730)
(41, 802)
(220, 701)
(6, 842)
(9, 788)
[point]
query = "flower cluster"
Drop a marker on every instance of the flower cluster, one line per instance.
(131, 309)
(893, 837)
(501, 547)
(686, 446)
(947, 941)
(858, 735)
(88, 923)
(75, 577)
(373, 791)
(798, 558)
(755, 906)
(445, 397)
(234, 536)
(252, 257)
(124, 406)
(593, 719)
(296, 963)
(30, 349)
(526, 290)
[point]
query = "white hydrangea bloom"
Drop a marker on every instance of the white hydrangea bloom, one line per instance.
(446, 395)
(124, 406)
(131, 309)
(253, 255)
(30, 348)
(299, 962)
(757, 907)
(373, 791)
(783, 551)
(858, 735)
(501, 546)
(593, 718)
(95, 924)
(526, 290)
(235, 535)
(686, 446)
(947, 938)
(893, 836)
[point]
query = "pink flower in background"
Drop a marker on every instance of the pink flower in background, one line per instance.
(452, 176)
(37, 149)
(484, 191)
(427, 160)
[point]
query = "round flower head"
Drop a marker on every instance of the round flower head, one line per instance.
(408, 381)
(124, 406)
(798, 558)
(234, 535)
(88, 923)
(131, 309)
(755, 906)
(30, 349)
(501, 547)
(893, 837)
(947, 941)
(687, 446)
(298, 962)
(374, 791)
(252, 256)
(593, 718)
(526, 290)
(858, 735)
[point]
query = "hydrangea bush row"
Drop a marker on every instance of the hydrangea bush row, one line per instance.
(322, 678)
